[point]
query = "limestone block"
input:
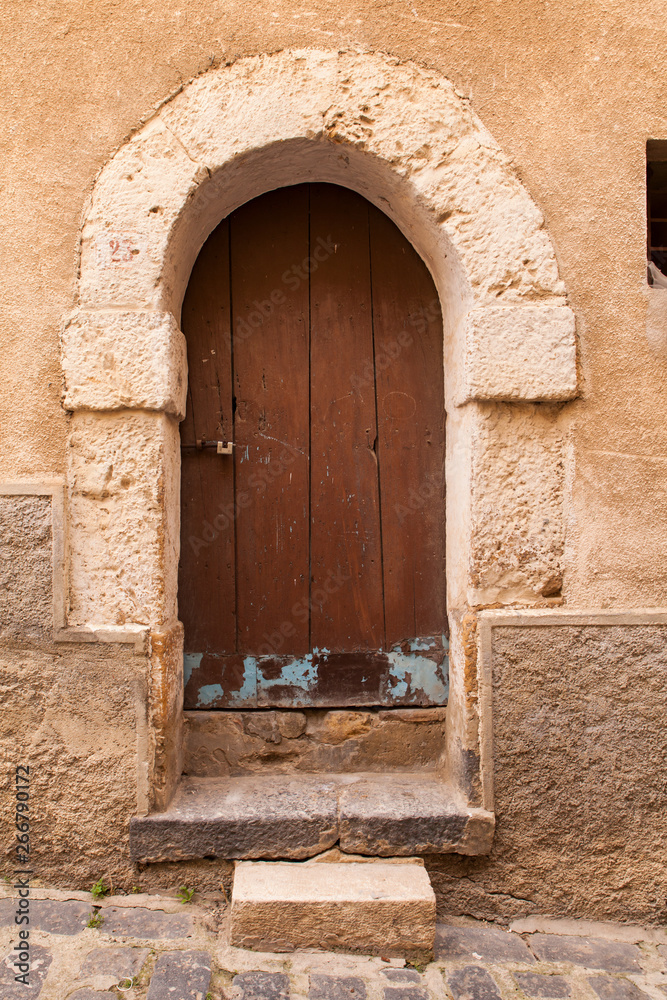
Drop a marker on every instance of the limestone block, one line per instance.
(517, 481)
(123, 474)
(124, 360)
(522, 352)
(386, 909)
(656, 321)
(26, 572)
(276, 816)
(136, 199)
(316, 741)
(75, 711)
(288, 116)
(396, 814)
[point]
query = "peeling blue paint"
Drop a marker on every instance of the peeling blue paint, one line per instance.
(299, 673)
(416, 644)
(190, 663)
(414, 674)
(209, 693)
(244, 696)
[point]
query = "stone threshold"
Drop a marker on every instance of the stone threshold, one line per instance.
(299, 816)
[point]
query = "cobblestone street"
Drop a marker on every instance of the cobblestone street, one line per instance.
(156, 948)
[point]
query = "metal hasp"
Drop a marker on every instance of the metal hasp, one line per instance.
(221, 447)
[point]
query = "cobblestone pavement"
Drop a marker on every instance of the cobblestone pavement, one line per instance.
(156, 948)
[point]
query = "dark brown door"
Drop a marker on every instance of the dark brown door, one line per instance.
(312, 567)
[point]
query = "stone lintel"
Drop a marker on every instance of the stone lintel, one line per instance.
(520, 353)
(124, 359)
(386, 909)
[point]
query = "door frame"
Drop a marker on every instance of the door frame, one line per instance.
(401, 136)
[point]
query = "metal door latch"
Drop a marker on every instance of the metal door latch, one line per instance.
(221, 447)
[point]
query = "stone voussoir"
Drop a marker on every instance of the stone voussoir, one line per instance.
(374, 909)
(525, 352)
(124, 360)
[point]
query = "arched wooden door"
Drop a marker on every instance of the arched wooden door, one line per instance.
(312, 568)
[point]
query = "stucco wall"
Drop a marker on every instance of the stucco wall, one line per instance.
(74, 713)
(26, 545)
(579, 750)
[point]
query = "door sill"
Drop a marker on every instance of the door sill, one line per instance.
(299, 816)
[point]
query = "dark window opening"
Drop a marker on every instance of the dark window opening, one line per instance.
(656, 211)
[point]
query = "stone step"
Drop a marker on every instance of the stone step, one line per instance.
(322, 741)
(300, 816)
(373, 908)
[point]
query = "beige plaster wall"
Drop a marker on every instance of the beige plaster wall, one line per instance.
(75, 714)
(579, 751)
(570, 91)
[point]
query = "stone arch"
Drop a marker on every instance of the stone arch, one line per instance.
(395, 132)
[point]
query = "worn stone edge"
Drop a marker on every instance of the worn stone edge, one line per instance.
(166, 387)
(143, 849)
(510, 618)
(476, 838)
(537, 375)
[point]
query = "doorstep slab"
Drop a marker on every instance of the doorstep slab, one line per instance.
(386, 909)
(401, 814)
(298, 816)
(249, 817)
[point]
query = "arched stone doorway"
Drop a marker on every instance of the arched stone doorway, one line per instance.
(400, 136)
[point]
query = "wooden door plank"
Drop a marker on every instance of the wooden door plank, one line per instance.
(269, 240)
(411, 434)
(346, 561)
(206, 587)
